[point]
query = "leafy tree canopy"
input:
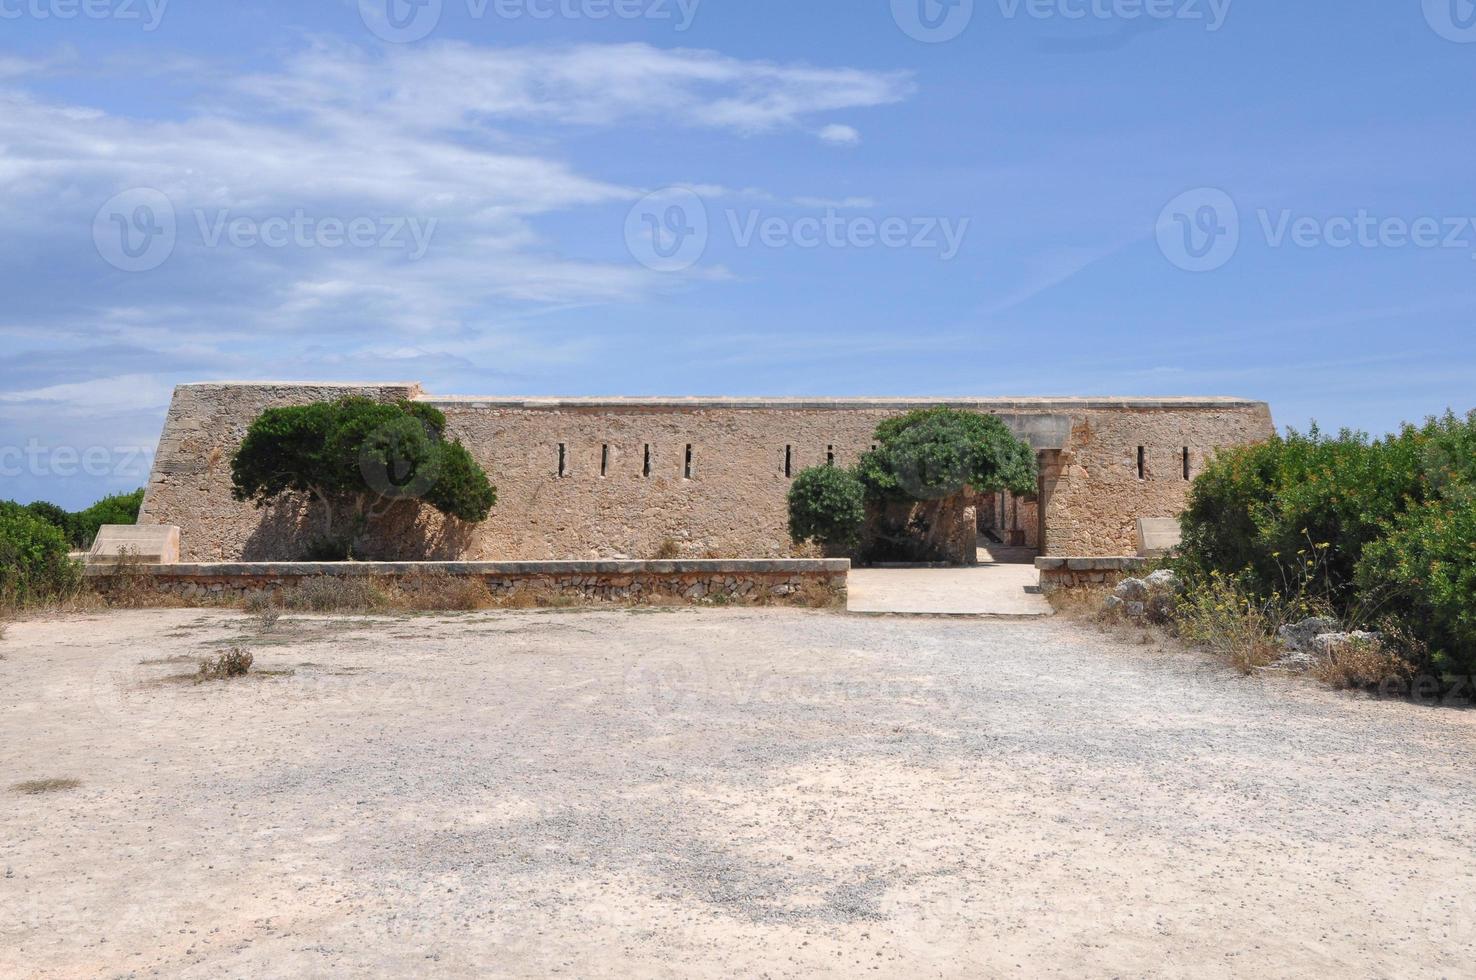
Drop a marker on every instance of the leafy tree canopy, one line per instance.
(935, 453)
(357, 457)
(827, 505)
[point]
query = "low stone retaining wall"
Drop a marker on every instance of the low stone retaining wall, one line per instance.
(1075, 573)
(798, 581)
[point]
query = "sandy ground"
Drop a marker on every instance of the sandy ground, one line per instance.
(721, 792)
(1010, 591)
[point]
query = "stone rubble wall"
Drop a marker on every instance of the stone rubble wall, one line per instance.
(758, 582)
(1076, 573)
(731, 503)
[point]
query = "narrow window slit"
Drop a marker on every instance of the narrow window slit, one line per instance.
(788, 461)
(563, 462)
(1186, 463)
(687, 467)
(605, 459)
(1142, 462)
(646, 467)
(829, 455)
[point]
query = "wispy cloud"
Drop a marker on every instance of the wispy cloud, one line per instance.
(466, 140)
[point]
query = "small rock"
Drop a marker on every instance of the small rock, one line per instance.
(1132, 590)
(1326, 643)
(1295, 662)
(1135, 610)
(1163, 580)
(1299, 636)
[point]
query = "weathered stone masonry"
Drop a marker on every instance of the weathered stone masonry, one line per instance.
(709, 475)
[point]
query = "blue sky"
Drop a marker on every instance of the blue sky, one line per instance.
(830, 197)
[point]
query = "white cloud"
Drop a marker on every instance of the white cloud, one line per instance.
(457, 84)
(463, 135)
(414, 132)
(840, 135)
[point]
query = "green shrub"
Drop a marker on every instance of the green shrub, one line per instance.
(58, 517)
(356, 458)
(827, 505)
(1371, 530)
(34, 562)
(1423, 571)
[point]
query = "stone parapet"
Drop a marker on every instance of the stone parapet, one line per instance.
(1075, 573)
(751, 582)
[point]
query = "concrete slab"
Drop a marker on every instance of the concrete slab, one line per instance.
(995, 591)
(147, 544)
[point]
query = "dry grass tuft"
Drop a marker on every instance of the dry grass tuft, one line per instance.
(817, 596)
(1223, 618)
(1362, 664)
(1082, 603)
(36, 787)
(335, 593)
(440, 591)
(235, 662)
(669, 551)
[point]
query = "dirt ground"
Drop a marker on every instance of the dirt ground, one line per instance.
(716, 792)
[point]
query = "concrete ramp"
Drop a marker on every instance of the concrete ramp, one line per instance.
(990, 591)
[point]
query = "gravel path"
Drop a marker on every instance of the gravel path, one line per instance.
(720, 792)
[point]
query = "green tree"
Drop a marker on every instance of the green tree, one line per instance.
(827, 505)
(58, 517)
(357, 458)
(934, 453)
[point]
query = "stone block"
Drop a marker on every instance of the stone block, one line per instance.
(1157, 536)
(147, 544)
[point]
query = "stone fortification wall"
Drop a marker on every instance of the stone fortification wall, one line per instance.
(705, 478)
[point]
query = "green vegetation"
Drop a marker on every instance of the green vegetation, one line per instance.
(1380, 533)
(119, 509)
(34, 563)
(80, 528)
(935, 453)
(357, 458)
(827, 505)
(931, 454)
